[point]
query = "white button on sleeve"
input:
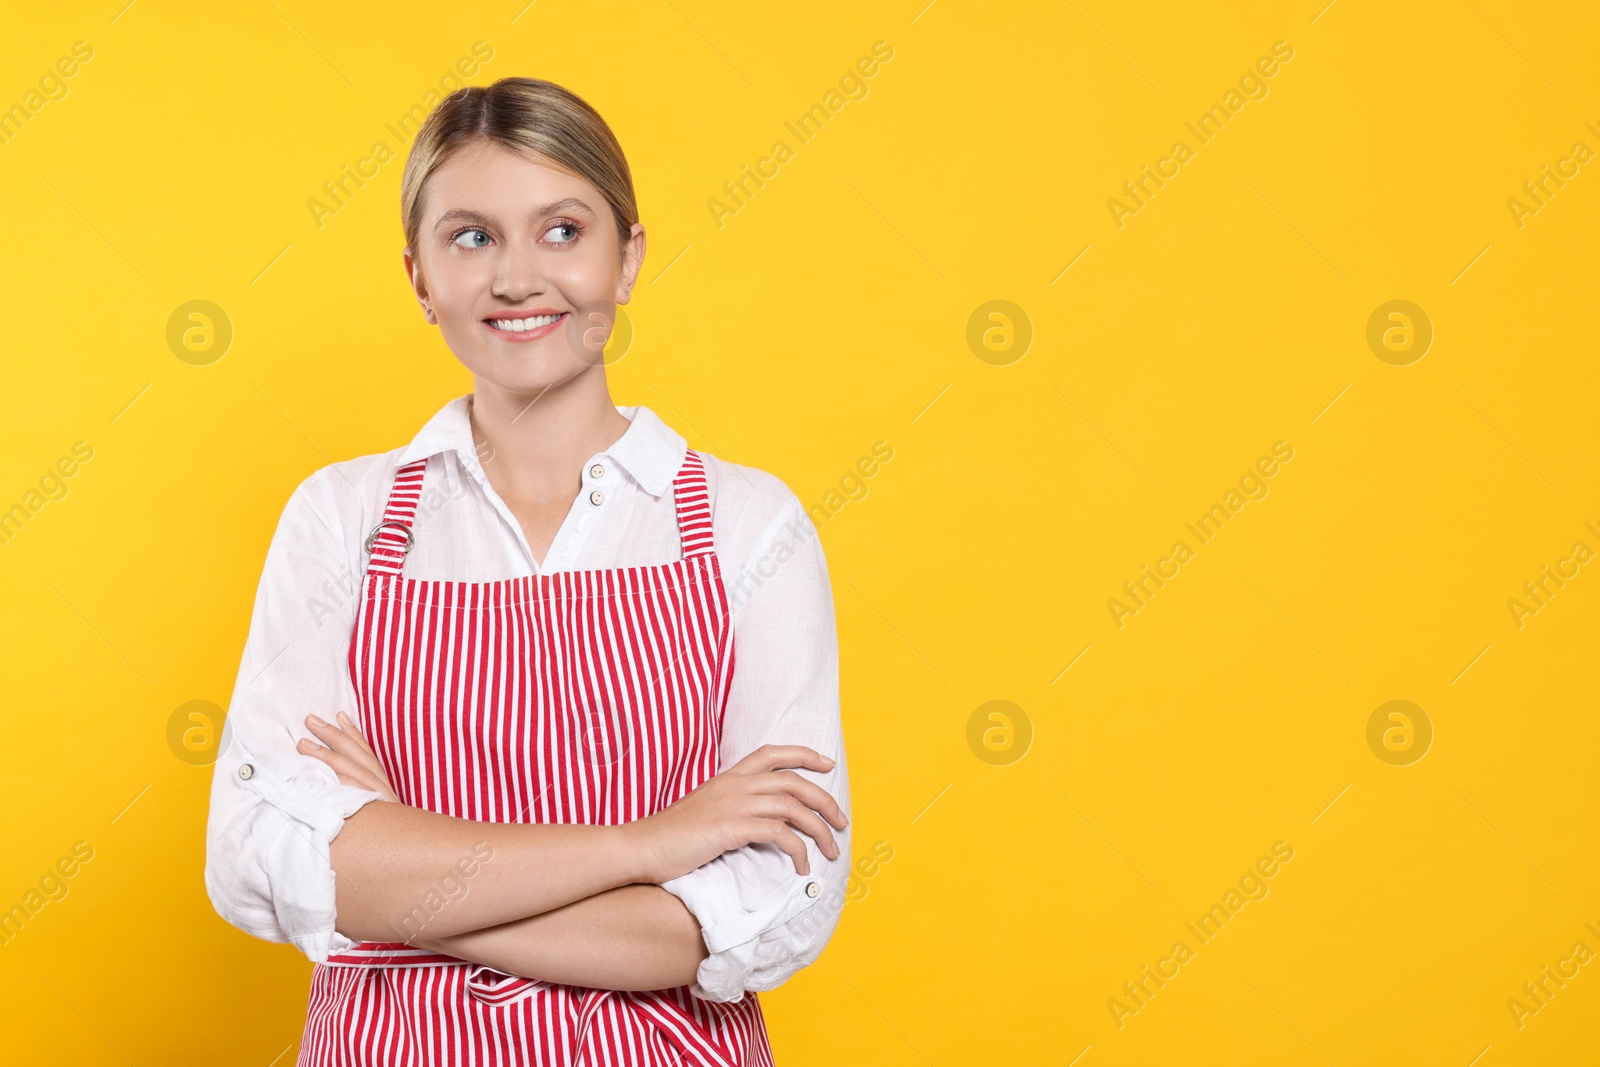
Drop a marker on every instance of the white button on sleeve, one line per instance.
(762, 921)
(273, 810)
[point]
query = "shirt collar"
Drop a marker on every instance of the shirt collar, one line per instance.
(649, 450)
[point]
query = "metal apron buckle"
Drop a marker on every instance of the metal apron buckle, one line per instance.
(373, 536)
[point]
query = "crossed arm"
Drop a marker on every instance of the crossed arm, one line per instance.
(630, 937)
(570, 903)
(556, 902)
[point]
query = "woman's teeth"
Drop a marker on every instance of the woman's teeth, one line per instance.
(523, 325)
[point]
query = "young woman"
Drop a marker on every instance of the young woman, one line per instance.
(488, 761)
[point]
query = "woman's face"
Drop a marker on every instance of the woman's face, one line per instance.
(503, 238)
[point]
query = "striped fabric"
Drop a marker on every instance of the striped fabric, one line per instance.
(576, 697)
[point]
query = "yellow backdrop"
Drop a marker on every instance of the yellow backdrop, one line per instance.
(1197, 403)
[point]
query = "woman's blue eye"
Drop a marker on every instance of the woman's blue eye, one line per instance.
(574, 231)
(565, 226)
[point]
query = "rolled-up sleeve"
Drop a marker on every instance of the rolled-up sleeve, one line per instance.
(761, 920)
(273, 810)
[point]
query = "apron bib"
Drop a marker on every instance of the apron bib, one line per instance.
(589, 696)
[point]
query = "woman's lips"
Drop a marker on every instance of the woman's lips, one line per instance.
(525, 335)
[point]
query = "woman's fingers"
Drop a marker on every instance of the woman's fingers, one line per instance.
(772, 757)
(790, 842)
(778, 832)
(789, 810)
(793, 800)
(354, 731)
(350, 771)
(334, 737)
(347, 741)
(809, 793)
(348, 753)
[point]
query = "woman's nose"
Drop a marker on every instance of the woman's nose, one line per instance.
(517, 275)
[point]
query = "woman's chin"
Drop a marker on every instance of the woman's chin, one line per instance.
(525, 377)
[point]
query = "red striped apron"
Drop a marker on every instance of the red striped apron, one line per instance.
(577, 697)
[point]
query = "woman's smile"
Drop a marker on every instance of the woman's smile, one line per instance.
(525, 326)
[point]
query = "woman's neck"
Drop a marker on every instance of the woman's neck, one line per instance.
(534, 448)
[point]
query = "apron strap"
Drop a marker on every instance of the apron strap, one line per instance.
(694, 505)
(391, 539)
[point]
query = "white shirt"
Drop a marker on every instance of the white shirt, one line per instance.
(267, 865)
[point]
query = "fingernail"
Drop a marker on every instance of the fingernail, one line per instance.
(343, 717)
(828, 760)
(314, 721)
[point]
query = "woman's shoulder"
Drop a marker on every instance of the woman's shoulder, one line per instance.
(738, 490)
(326, 517)
(347, 492)
(753, 510)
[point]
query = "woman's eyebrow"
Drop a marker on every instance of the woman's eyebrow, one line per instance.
(462, 214)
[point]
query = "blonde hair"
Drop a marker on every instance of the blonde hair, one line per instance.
(540, 120)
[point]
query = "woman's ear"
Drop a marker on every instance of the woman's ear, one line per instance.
(632, 260)
(418, 284)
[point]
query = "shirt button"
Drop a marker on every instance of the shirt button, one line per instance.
(246, 771)
(812, 889)
(596, 496)
(597, 471)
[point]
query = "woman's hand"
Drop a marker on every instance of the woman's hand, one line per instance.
(348, 753)
(751, 801)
